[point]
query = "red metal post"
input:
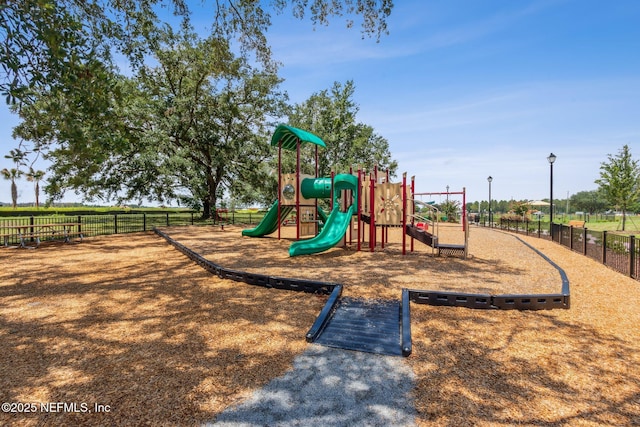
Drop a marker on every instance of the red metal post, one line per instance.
(359, 204)
(372, 216)
(413, 206)
(464, 209)
(298, 216)
(279, 185)
(315, 214)
(350, 193)
(404, 213)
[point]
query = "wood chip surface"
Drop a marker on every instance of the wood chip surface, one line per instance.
(129, 323)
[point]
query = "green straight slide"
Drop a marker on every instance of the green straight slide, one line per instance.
(269, 223)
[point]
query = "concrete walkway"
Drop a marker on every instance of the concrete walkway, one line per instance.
(331, 387)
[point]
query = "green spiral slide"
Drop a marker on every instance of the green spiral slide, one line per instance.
(336, 224)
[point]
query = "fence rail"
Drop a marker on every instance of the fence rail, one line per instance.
(118, 223)
(617, 251)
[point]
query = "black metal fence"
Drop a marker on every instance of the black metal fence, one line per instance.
(116, 223)
(617, 251)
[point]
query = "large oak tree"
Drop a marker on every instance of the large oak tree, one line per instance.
(187, 128)
(58, 69)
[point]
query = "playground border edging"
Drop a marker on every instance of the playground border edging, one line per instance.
(502, 301)
(323, 317)
(263, 280)
(437, 298)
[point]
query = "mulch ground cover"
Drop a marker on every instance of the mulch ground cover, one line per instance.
(128, 323)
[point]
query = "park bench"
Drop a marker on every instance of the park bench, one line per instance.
(5, 238)
(576, 223)
(34, 232)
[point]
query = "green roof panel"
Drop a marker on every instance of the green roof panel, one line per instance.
(290, 135)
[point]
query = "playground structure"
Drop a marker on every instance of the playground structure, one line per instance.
(382, 327)
(357, 200)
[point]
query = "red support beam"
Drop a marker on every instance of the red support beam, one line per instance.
(298, 189)
(359, 206)
(404, 213)
(279, 185)
(413, 207)
(372, 216)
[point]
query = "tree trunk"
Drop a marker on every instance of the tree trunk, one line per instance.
(14, 193)
(37, 195)
(206, 209)
(212, 203)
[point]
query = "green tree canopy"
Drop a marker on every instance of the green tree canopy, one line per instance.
(53, 43)
(331, 114)
(186, 128)
(57, 68)
(620, 181)
(589, 201)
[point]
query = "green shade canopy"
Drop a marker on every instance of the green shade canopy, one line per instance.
(290, 135)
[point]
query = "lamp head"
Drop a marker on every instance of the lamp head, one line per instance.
(551, 158)
(491, 178)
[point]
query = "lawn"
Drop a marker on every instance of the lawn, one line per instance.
(632, 225)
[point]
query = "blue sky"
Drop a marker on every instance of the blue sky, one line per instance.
(467, 89)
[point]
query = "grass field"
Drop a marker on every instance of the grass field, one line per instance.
(632, 226)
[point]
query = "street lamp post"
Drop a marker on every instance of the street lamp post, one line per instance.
(489, 179)
(551, 159)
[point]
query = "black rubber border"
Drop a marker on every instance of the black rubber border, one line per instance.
(502, 301)
(310, 286)
(438, 298)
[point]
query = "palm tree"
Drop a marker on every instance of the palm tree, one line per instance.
(12, 174)
(450, 208)
(35, 176)
(18, 157)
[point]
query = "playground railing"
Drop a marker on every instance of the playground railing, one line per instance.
(432, 225)
(619, 252)
(432, 212)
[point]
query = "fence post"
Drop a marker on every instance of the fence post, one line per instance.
(571, 237)
(604, 247)
(79, 223)
(632, 256)
(167, 219)
(539, 227)
(31, 223)
(115, 223)
(584, 241)
(191, 218)
(144, 221)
